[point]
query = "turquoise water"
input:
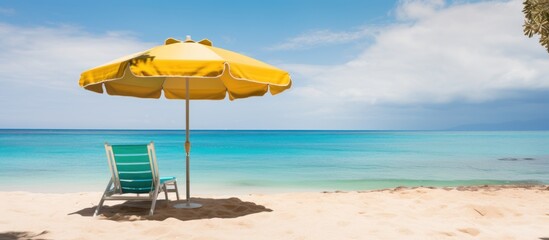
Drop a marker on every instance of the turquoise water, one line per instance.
(271, 161)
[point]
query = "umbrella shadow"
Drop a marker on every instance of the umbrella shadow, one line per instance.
(146, 58)
(142, 59)
(211, 208)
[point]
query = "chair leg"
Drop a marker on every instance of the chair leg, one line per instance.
(165, 191)
(102, 199)
(155, 195)
(99, 207)
(176, 191)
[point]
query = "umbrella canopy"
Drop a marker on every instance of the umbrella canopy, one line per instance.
(212, 72)
(186, 70)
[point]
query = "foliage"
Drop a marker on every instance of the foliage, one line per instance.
(536, 21)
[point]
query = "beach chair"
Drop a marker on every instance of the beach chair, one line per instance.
(135, 175)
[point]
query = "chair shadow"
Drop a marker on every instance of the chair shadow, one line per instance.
(211, 208)
(22, 235)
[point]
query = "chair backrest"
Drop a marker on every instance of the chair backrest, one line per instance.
(133, 168)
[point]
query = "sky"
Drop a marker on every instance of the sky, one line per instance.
(368, 65)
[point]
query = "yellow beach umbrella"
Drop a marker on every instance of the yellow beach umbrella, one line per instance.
(186, 70)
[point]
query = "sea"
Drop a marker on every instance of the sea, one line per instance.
(267, 161)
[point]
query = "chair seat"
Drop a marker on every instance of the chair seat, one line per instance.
(166, 179)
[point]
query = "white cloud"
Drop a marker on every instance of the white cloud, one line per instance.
(472, 52)
(323, 37)
(54, 57)
(417, 9)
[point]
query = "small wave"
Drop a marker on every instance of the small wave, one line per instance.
(516, 159)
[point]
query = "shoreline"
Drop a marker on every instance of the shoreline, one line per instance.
(215, 188)
(465, 212)
(242, 192)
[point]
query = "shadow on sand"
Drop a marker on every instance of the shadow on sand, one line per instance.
(22, 235)
(211, 208)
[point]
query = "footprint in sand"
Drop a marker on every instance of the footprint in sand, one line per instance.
(471, 231)
(405, 231)
(486, 211)
(450, 234)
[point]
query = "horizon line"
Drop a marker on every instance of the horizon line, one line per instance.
(349, 130)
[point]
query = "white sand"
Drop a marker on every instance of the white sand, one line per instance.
(420, 213)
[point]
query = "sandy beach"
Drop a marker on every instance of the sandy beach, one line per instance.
(488, 212)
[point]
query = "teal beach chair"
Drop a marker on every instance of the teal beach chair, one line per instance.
(135, 175)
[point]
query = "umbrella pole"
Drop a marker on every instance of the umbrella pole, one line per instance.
(188, 203)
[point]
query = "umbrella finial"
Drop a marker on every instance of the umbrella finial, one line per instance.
(188, 39)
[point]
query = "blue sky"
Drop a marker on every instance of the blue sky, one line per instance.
(412, 64)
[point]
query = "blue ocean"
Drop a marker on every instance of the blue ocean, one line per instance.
(280, 161)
